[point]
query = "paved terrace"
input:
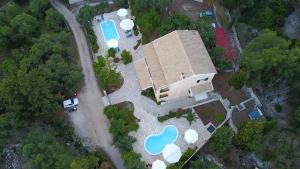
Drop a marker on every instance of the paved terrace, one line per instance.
(124, 42)
(145, 109)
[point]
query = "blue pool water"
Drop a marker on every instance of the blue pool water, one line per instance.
(109, 30)
(154, 144)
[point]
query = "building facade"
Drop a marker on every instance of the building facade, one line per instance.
(176, 65)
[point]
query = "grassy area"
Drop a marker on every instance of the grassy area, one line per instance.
(213, 112)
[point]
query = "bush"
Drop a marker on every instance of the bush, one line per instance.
(149, 93)
(122, 122)
(126, 57)
(178, 114)
(111, 52)
(137, 44)
(220, 141)
(278, 107)
(238, 80)
(107, 74)
(185, 156)
(218, 118)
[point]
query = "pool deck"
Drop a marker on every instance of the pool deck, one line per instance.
(124, 42)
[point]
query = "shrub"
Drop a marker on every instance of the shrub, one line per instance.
(185, 156)
(220, 141)
(122, 122)
(137, 44)
(278, 107)
(126, 57)
(111, 52)
(238, 80)
(219, 117)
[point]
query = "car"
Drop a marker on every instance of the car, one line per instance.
(70, 103)
(206, 13)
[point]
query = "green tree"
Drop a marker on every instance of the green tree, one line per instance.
(25, 26)
(54, 21)
(238, 80)
(108, 75)
(121, 3)
(63, 78)
(207, 32)
(12, 10)
(89, 161)
(249, 135)
(6, 33)
(221, 140)
(149, 21)
(268, 58)
(86, 15)
(132, 160)
(38, 7)
(175, 22)
(28, 95)
(126, 57)
(111, 52)
(296, 120)
(44, 151)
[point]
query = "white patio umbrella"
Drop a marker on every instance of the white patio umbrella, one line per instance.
(126, 24)
(122, 12)
(171, 153)
(157, 164)
(112, 43)
(191, 136)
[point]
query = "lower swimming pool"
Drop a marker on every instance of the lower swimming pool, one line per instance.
(109, 30)
(155, 143)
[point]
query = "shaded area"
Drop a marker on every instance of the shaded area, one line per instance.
(220, 82)
(239, 116)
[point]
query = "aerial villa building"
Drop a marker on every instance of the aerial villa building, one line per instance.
(176, 65)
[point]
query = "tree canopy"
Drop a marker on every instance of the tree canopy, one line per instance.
(221, 140)
(249, 135)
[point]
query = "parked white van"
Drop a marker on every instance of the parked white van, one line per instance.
(70, 103)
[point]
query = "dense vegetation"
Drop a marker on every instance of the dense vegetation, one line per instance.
(122, 122)
(39, 69)
(261, 13)
(107, 74)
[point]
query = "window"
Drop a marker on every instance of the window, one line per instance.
(164, 90)
(198, 81)
(163, 95)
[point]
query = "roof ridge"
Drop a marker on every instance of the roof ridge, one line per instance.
(186, 54)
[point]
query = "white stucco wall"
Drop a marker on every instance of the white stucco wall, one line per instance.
(74, 1)
(180, 88)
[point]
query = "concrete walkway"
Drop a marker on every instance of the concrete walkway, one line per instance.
(89, 121)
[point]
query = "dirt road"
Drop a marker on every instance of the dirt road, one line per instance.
(89, 121)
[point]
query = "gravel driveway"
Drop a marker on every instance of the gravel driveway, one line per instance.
(89, 121)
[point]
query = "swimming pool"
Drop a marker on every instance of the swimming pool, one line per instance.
(109, 30)
(155, 143)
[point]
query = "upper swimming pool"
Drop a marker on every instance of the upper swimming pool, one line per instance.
(155, 143)
(109, 30)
